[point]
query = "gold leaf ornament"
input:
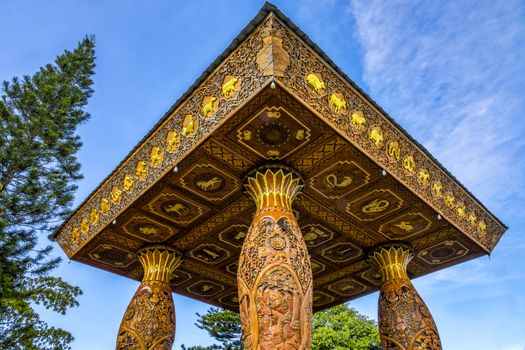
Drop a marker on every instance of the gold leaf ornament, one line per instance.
(156, 156)
(376, 135)
(393, 151)
(423, 177)
(358, 121)
(141, 170)
(128, 182)
(461, 210)
(338, 103)
(209, 106)
(472, 218)
(172, 141)
(93, 216)
(449, 200)
(116, 194)
(75, 234)
(437, 189)
(230, 86)
(189, 125)
(409, 164)
(84, 226)
(104, 205)
(482, 227)
(315, 80)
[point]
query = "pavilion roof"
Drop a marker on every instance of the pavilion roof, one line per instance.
(272, 66)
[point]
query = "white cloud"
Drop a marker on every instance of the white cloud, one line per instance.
(452, 74)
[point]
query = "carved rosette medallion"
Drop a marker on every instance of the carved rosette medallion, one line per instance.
(149, 321)
(405, 323)
(274, 275)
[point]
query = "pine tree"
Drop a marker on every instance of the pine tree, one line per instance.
(39, 115)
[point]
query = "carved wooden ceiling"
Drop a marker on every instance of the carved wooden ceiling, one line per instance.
(347, 206)
(274, 96)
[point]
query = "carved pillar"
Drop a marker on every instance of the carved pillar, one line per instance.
(149, 321)
(274, 276)
(405, 323)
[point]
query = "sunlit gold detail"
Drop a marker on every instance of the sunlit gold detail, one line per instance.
(392, 262)
(141, 170)
(409, 164)
(172, 141)
(461, 210)
(273, 153)
(206, 185)
(179, 209)
(338, 102)
(358, 121)
(159, 263)
(116, 194)
(482, 227)
(472, 218)
(75, 234)
(376, 135)
(156, 156)
(148, 230)
(423, 177)
(376, 206)
(449, 200)
(393, 151)
(104, 205)
(209, 106)
(273, 114)
(273, 189)
(437, 189)
(93, 216)
(84, 226)
(229, 86)
(189, 125)
(315, 80)
(299, 135)
(333, 181)
(247, 135)
(128, 182)
(405, 226)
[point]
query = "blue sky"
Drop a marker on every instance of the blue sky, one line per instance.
(450, 72)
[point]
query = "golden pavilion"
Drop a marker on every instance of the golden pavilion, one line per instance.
(275, 187)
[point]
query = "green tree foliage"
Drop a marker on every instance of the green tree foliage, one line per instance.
(39, 115)
(338, 328)
(341, 328)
